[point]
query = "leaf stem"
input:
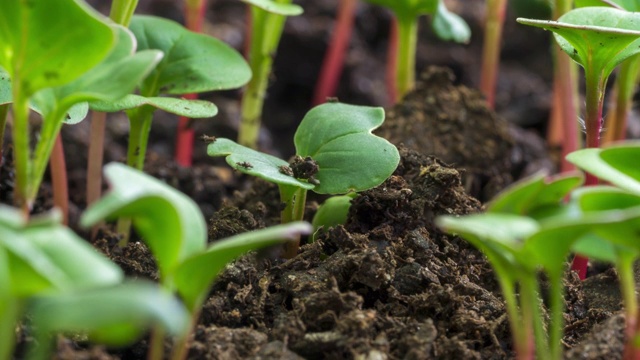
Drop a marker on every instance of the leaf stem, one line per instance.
(406, 58)
(491, 49)
(140, 121)
(4, 111)
(22, 151)
(624, 266)
(556, 325)
(625, 86)
(530, 302)
(58, 169)
(334, 58)
(295, 199)
(522, 335)
(266, 30)
(122, 11)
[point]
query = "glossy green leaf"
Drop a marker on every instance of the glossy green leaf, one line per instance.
(116, 315)
(332, 212)
(197, 273)
(629, 5)
(409, 8)
(533, 193)
(45, 256)
(616, 164)
(192, 63)
(278, 8)
(170, 222)
(595, 247)
(339, 138)
(598, 38)
(254, 163)
(194, 109)
(36, 39)
(449, 26)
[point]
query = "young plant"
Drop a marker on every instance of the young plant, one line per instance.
(267, 23)
(336, 153)
(175, 231)
(446, 25)
(95, 70)
(598, 39)
(192, 63)
(42, 259)
(332, 212)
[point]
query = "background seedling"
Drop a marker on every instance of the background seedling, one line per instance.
(446, 25)
(175, 231)
(598, 39)
(267, 23)
(334, 141)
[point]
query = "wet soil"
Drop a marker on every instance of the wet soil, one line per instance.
(388, 284)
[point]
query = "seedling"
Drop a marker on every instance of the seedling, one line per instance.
(175, 231)
(43, 259)
(336, 153)
(332, 212)
(95, 70)
(447, 26)
(192, 63)
(598, 39)
(267, 23)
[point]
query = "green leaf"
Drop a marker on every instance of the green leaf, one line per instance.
(249, 161)
(409, 8)
(598, 38)
(332, 212)
(276, 7)
(45, 255)
(194, 109)
(616, 164)
(170, 222)
(116, 76)
(350, 158)
(192, 63)
(595, 247)
(50, 42)
(534, 193)
(196, 274)
(449, 26)
(115, 315)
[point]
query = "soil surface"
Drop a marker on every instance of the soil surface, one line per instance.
(388, 284)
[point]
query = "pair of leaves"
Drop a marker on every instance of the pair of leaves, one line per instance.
(338, 138)
(173, 227)
(447, 25)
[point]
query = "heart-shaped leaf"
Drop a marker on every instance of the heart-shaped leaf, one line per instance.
(255, 163)
(192, 63)
(349, 157)
(170, 222)
(277, 8)
(36, 41)
(194, 109)
(196, 274)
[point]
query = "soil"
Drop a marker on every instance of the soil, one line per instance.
(388, 284)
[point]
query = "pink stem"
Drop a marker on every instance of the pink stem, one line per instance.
(334, 58)
(491, 49)
(58, 169)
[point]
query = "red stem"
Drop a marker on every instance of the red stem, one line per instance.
(194, 16)
(58, 169)
(392, 60)
(491, 49)
(334, 58)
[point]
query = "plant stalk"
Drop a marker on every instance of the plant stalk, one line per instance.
(630, 301)
(334, 58)
(522, 335)
(10, 309)
(266, 30)
(392, 61)
(96, 156)
(22, 151)
(491, 49)
(406, 58)
(295, 199)
(625, 86)
(58, 169)
(556, 299)
(529, 300)
(140, 119)
(122, 11)
(4, 112)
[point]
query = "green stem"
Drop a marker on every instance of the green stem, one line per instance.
(122, 11)
(156, 344)
(4, 111)
(530, 302)
(594, 98)
(140, 121)
(406, 58)
(22, 151)
(624, 266)
(523, 344)
(556, 299)
(10, 309)
(295, 199)
(491, 49)
(51, 126)
(266, 30)
(625, 86)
